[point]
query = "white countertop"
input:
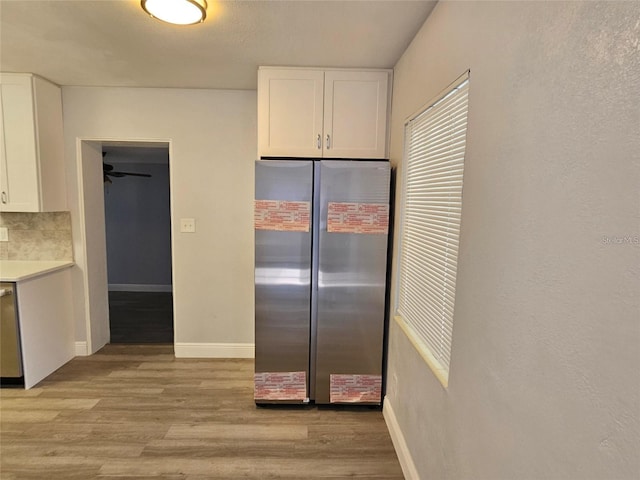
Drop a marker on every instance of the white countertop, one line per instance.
(18, 270)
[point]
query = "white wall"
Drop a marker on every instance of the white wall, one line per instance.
(212, 137)
(544, 380)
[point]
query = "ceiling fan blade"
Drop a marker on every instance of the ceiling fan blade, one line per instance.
(122, 174)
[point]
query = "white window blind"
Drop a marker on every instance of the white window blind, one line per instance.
(430, 230)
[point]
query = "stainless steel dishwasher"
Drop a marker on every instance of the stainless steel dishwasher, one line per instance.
(10, 355)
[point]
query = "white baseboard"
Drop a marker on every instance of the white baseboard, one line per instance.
(214, 350)
(197, 350)
(81, 349)
(134, 287)
(402, 450)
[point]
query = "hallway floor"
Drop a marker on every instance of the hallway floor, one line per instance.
(141, 317)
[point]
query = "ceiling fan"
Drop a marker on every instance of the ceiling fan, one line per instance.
(108, 172)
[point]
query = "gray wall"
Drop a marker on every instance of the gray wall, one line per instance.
(138, 225)
(212, 142)
(544, 380)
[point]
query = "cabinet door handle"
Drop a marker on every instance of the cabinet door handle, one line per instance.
(4, 197)
(328, 142)
(319, 141)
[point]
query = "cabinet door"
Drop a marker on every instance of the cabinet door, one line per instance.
(20, 189)
(355, 114)
(4, 184)
(290, 106)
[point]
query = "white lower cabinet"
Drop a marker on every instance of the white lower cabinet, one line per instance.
(46, 324)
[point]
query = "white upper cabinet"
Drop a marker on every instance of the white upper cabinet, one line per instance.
(355, 114)
(32, 173)
(322, 113)
(290, 104)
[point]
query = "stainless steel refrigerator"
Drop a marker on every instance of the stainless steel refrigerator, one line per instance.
(321, 234)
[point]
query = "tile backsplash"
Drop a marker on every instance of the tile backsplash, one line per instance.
(37, 236)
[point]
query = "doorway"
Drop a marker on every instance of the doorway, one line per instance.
(138, 242)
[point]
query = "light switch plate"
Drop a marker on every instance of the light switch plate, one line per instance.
(4, 234)
(188, 225)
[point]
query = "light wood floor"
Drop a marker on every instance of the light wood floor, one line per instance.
(138, 412)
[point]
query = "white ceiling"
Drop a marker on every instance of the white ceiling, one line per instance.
(114, 43)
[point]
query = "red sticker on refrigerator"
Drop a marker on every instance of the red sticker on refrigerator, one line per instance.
(355, 388)
(282, 215)
(280, 386)
(367, 218)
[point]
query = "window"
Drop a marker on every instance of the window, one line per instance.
(430, 224)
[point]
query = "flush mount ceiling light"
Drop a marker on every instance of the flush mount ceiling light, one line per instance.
(179, 12)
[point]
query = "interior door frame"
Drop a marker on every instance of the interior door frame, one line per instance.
(94, 286)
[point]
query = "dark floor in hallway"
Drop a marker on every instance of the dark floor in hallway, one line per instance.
(141, 317)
